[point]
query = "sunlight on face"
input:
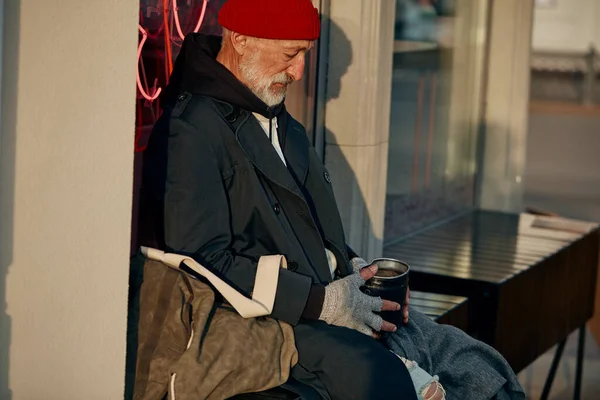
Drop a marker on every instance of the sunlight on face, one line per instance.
(271, 65)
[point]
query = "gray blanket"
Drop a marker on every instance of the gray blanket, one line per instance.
(468, 369)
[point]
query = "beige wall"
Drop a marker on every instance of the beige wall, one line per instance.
(570, 25)
(68, 92)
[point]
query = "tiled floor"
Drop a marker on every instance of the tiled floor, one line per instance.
(534, 377)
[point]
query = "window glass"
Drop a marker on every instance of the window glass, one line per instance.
(435, 111)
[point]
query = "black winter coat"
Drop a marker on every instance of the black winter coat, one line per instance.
(226, 197)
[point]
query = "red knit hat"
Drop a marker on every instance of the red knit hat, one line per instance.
(272, 19)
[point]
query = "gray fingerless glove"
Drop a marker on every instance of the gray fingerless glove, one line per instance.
(358, 264)
(345, 305)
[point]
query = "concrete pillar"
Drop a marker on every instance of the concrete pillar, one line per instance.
(357, 115)
(66, 169)
(502, 144)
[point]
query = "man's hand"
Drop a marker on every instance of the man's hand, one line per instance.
(345, 305)
(358, 265)
(368, 273)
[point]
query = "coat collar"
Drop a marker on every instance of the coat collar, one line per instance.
(261, 153)
(295, 148)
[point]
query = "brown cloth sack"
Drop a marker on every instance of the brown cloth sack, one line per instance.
(183, 343)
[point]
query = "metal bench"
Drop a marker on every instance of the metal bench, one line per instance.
(445, 309)
(442, 308)
(530, 280)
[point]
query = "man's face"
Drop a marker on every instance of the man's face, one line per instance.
(271, 65)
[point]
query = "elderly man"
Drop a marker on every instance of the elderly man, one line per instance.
(242, 181)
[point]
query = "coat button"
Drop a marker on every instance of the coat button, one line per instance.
(292, 266)
(276, 208)
(327, 177)
(232, 118)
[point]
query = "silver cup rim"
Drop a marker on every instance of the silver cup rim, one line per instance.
(394, 260)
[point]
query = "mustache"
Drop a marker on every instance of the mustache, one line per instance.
(283, 79)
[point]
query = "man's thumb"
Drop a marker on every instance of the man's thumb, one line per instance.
(368, 272)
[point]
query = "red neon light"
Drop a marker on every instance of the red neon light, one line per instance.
(152, 94)
(143, 92)
(178, 24)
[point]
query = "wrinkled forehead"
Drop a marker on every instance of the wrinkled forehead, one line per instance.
(284, 45)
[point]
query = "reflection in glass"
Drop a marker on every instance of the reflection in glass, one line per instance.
(438, 59)
(164, 23)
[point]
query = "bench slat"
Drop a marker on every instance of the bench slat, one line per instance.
(522, 251)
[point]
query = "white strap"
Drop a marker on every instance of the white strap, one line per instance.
(265, 283)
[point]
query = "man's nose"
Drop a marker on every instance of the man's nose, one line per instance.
(296, 70)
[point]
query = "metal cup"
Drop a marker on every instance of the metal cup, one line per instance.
(390, 283)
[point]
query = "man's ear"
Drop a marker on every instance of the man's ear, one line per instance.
(239, 42)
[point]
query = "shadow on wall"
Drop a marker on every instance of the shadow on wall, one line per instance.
(351, 202)
(8, 117)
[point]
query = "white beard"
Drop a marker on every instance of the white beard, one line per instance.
(261, 86)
